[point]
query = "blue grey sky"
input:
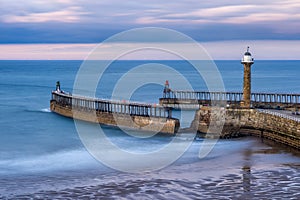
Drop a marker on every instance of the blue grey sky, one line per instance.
(69, 29)
(86, 21)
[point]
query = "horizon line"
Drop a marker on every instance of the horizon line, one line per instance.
(216, 50)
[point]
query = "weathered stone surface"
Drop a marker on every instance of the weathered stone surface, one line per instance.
(266, 125)
(153, 124)
(246, 103)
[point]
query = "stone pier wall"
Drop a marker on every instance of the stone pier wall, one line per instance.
(143, 123)
(236, 121)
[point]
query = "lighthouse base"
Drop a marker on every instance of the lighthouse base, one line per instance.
(245, 104)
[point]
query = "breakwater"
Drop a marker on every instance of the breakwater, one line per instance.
(130, 115)
(263, 123)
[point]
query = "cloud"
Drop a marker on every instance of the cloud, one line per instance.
(260, 49)
(40, 11)
(45, 51)
(155, 20)
(218, 20)
(70, 15)
(278, 11)
(214, 12)
(262, 17)
(153, 12)
(221, 50)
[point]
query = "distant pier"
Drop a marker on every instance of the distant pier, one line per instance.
(179, 99)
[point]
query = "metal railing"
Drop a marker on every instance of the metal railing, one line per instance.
(111, 106)
(232, 96)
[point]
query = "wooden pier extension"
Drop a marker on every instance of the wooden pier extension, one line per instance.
(145, 117)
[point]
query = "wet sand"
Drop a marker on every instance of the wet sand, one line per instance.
(250, 169)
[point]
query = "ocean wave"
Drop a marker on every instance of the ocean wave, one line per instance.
(42, 110)
(62, 160)
(9, 85)
(47, 110)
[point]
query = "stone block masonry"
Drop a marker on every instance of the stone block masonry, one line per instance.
(143, 123)
(279, 128)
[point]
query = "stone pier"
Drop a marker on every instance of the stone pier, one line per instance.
(129, 115)
(280, 128)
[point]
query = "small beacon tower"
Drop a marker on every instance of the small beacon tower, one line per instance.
(247, 61)
(167, 90)
(58, 86)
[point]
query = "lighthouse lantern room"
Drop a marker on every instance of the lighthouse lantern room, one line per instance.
(247, 57)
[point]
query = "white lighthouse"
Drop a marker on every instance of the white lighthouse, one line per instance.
(247, 57)
(247, 61)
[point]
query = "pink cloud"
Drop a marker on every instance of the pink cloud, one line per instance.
(221, 50)
(69, 15)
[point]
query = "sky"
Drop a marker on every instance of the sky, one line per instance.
(66, 25)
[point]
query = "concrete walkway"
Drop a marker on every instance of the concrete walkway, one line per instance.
(282, 113)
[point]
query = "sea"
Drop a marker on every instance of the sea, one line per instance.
(42, 155)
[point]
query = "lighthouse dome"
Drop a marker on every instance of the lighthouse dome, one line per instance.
(247, 58)
(247, 53)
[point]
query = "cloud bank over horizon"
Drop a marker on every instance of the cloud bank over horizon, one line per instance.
(69, 29)
(78, 21)
(218, 50)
